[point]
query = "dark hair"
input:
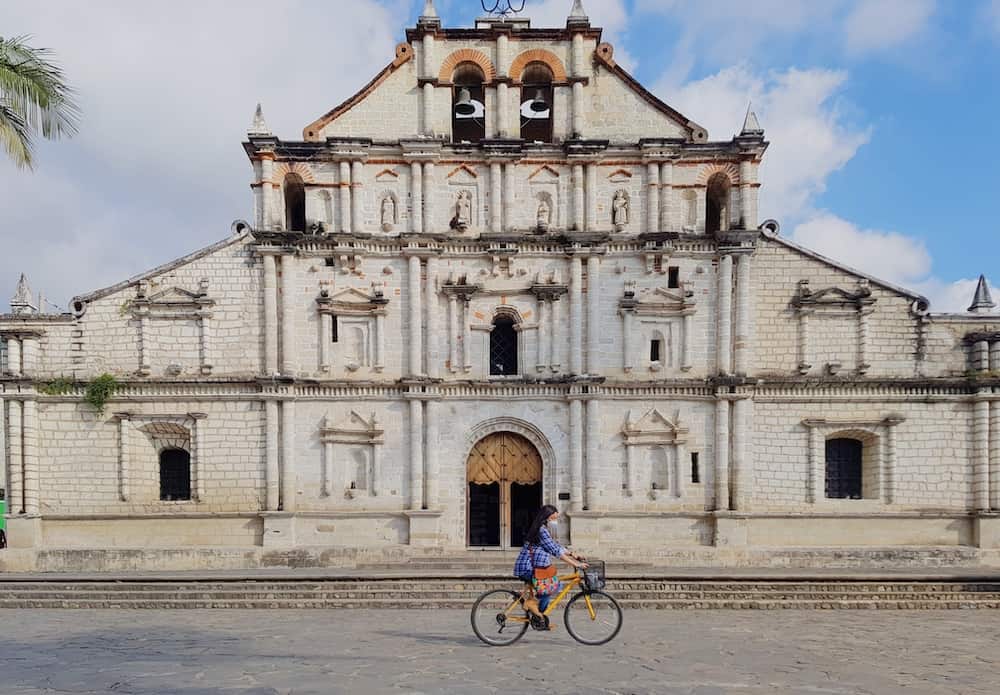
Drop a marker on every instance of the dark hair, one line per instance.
(533, 533)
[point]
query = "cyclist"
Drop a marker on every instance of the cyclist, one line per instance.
(537, 553)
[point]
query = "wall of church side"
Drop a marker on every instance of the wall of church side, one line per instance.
(948, 353)
(932, 462)
(228, 458)
(388, 112)
(609, 104)
(833, 334)
(106, 337)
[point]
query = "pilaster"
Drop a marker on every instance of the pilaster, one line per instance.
(288, 303)
(29, 433)
(594, 327)
(576, 315)
(345, 197)
(725, 311)
(721, 477)
(416, 455)
(415, 323)
(271, 444)
(289, 474)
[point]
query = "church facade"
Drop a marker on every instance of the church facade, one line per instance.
(500, 275)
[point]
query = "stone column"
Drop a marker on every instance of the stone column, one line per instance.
(628, 326)
(466, 334)
(594, 327)
(981, 453)
(653, 197)
(376, 482)
(578, 108)
(555, 345)
(508, 196)
(357, 195)
(143, 339)
(631, 469)
(686, 342)
(578, 199)
(124, 432)
(428, 109)
(433, 337)
(576, 454)
(680, 454)
(889, 484)
(416, 198)
(503, 120)
(817, 461)
(742, 473)
(29, 355)
(590, 198)
(205, 323)
(724, 337)
(30, 453)
(266, 193)
(804, 358)
(593, 460)
(270, 315)
(742, 343)
(14, 356)
(416, 322)
(416, 455)
(666, 196)
(272, 471)
(995, 456)
(379, 340)
(345, 198)
(454, 333)
(721, 501)
(15, 479)
(746, 211)
(326, 487)
(429, 198)
(576, 316)
(863, 313)
(288, 303)
(496, 205)
(326, 333)
(198, 456)
(431, 455)
(289, 475)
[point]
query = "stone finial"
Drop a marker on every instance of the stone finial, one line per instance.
(982, 302)
(22, 302)
(429, 18)
(577, 16)
(259, 125)
(751, 126)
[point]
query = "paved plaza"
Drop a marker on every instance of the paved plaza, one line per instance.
(359, 651)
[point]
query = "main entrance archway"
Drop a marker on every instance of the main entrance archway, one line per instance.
(504, 475)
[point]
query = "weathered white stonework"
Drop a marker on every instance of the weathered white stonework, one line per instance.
(601, 296)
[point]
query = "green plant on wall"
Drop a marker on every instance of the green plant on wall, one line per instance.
(100, 390)
(56, 387)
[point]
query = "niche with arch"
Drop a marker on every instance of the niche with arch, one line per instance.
(468, 103)
(294, 191)
(717, 203)
(537, 103)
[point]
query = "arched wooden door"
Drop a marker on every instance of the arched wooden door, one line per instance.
(504, 489)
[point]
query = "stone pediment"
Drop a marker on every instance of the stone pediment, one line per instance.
(543, 174)
(653, 427)
(859, 297)
(658, 300)
(353, 429)
(351, 300)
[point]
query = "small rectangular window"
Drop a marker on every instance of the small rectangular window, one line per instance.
(328, 262)
(333, 329)
(658, 264)
(695, 474)
(673, 277)
(654, 351)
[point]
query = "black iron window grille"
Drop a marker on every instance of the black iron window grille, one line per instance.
(844, 469)
(503, 347)
(175, 475)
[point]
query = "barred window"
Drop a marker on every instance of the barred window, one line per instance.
(503, 347)
(175, 475)
(3, 355)
(843, 468)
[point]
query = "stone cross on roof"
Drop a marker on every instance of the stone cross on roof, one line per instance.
(982, 302)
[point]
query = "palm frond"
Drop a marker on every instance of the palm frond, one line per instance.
(15, 135)
(36, 90)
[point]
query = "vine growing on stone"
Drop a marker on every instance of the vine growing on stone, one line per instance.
(100, 390)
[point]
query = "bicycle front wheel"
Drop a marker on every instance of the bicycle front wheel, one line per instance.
(593, 617)
(498, 619)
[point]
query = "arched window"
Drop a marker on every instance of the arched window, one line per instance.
(717, 204)
(537, 103)
(468, 104)
(503, 346)
(844, 468)
(295, 203)
(175, 474)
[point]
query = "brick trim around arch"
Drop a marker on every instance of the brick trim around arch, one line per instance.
(467, 55)
(729, 170)
(538, 55)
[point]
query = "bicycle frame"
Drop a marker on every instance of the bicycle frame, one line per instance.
(569, 581)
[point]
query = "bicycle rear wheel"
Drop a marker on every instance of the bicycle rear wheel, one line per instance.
(498, 619)
(593, 617)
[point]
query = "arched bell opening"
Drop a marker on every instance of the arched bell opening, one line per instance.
(504, 480)
(537, 96)
(717, 204)
(468, 103)
(295, 203)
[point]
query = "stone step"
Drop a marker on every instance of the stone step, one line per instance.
(451, 603)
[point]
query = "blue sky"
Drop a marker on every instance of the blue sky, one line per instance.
(881, 115)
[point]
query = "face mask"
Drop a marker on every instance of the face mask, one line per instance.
(553, 524)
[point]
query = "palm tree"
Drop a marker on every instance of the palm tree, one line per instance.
(34, 98)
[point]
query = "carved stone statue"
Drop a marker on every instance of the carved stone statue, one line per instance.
(544, 215)
(619, 210)
(388, 213)
(463, 211)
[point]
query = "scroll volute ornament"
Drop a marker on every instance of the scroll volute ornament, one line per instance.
(504, 457)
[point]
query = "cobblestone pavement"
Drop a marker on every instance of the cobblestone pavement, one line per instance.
(190, 652)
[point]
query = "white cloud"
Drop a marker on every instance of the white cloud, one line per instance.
(877, 25)
(609, 15)
(810, 136)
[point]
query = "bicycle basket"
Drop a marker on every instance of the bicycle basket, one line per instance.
(593, 576)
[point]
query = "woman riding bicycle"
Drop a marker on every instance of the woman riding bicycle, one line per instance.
(537, 553)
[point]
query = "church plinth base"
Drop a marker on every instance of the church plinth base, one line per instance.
(987, 530)
(279, 530)
(24, 531)
(730, 531)
(424, 525)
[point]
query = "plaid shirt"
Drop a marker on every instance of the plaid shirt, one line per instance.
(544, 552)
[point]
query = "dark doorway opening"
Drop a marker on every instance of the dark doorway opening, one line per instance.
(484, 514)
(525, 501)
(843, 468)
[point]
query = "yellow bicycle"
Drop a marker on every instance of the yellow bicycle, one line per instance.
(592, 616)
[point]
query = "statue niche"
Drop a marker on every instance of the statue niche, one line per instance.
(463, 212)
(620, 210)
(388, 212)
(543, 215)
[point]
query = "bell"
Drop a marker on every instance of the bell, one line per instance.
(464, 105)
(538, 104)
